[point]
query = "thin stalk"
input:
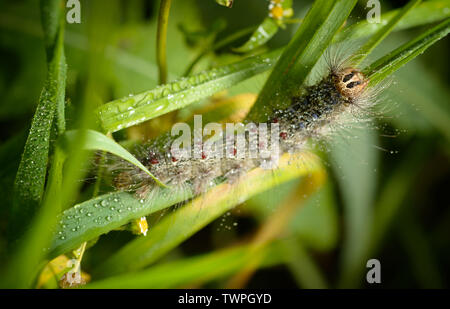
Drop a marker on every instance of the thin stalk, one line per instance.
(161, 39)
(211, 48)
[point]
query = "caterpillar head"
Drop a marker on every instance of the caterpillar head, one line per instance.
(350, 82)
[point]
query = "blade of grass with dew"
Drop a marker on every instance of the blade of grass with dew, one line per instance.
(84, 120)
(98, 141)
(379, 36)
(265, 31)
(388, 64)
(129, 111)
(102, 214)
(51, 16)
(425, 13)
(65, 194)
(313, 36)
(31, 175)
(193, 270)
(180, 225)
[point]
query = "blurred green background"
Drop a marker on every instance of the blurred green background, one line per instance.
(385, 196)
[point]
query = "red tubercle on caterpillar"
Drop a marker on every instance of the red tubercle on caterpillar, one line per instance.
(275, 120)
(283, 135)
(174, 159)
(203, 156)
(154, 161)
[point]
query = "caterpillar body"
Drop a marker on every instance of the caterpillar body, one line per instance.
(309, 115)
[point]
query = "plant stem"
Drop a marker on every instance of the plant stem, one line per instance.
(161, 39)
(229, 39)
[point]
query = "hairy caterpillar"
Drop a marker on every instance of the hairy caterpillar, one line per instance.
(311, 114)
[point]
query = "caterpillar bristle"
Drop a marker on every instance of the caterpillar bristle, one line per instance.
(343, 92)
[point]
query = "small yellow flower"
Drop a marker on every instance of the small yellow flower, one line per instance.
(277, 12)
(140, 226)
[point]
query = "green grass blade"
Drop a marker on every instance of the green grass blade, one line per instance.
(31, 175)
(193, 270)
(129, 111)
(388, 64)
(425, 13)
(180, 225)
(97, 141)
(265, 31)
(136, 109)
(51, 16)
(298, 59)
(98, 216)
(30, 179)
(379, 36)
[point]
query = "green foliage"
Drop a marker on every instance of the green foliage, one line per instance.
(298, 59)
(32, 172)
(108, 60)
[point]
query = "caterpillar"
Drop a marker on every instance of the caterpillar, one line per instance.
(341, 91)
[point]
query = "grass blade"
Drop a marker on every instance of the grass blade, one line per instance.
(311, 39)
(265, 31)
(193, 270)
(175, 228)
(161, 39)
(97, 141)
(31, 175)
(388, 64)
(425, 13)
(379, 36)
(98, 216)
(129, 111)
(30, 179)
